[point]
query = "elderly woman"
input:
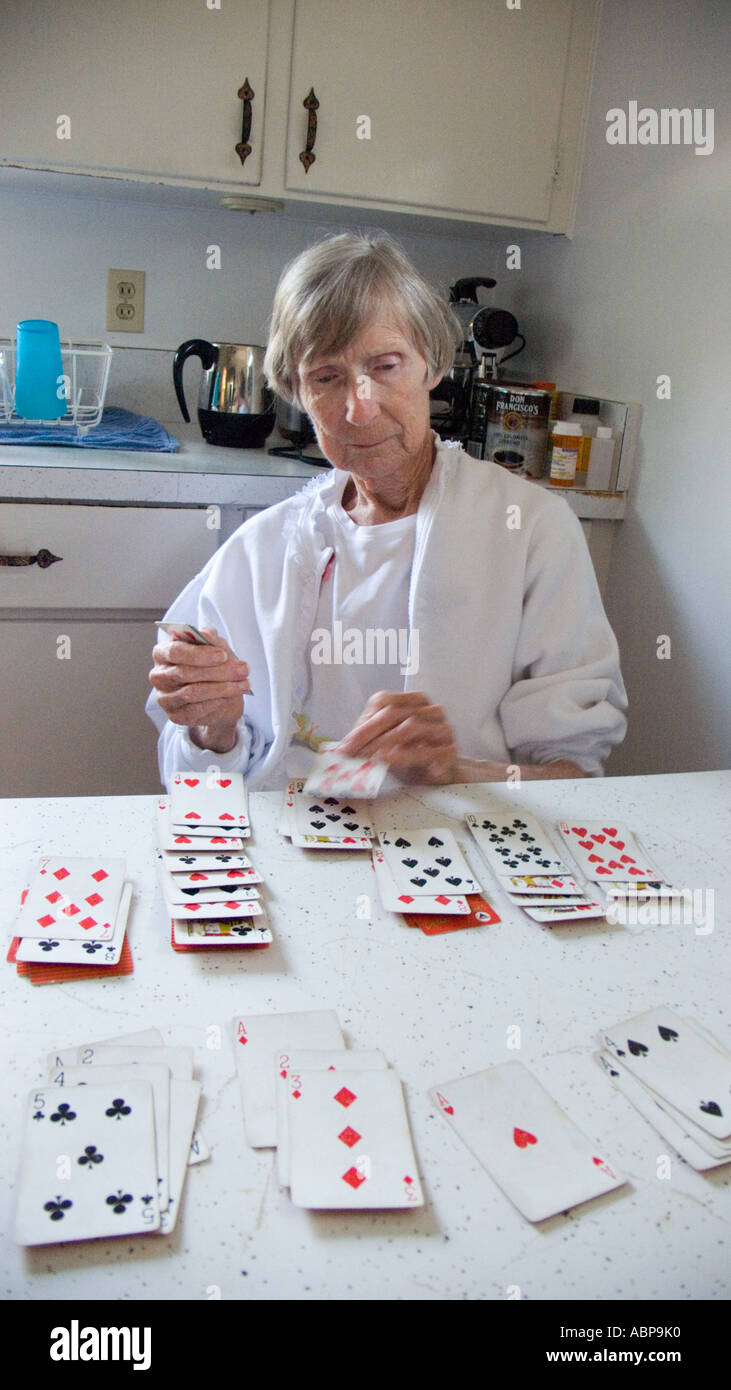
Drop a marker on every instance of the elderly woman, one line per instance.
(414, 605)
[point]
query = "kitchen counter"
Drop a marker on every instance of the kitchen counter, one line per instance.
(199, 473)
(439, 1008)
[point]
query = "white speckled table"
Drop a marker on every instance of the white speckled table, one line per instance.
(439, 1007)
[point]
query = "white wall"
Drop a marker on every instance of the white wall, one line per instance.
(641, 290)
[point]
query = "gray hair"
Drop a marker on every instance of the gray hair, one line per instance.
(327, 295)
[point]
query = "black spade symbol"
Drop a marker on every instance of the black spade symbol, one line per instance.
(331, 815)
(403, 844)
(668, 1034)
(351, 825)
(710, 1108)
(434, 840)
(331, 801)
(318, 824)
(455, 881)
(419, 882)
(637, 1049)
(433, 873)
(410, 863)
(318, 809)
(348, 810)
(444, 862)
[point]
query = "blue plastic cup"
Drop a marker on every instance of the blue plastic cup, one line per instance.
(40, 392)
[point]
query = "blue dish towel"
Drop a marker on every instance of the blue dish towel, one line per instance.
(117, 429)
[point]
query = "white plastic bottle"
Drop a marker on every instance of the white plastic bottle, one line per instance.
(601, 459)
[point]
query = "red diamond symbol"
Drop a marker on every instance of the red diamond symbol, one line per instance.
(88, 922)
(53, 897)
(61, 873)
(94, 898)
(354, 1178)
(100, 875)
(70, 911)
(344, 1097)
(296, 1095)
(442, 899)
(46, 921)
(349, 1136)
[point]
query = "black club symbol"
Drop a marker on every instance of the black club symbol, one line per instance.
(63, 1114)
(89, 1157)
(91, 947)
(118, 1109)
(240, 931)
(56, 1209)
(49, 945)
(520, 825)
(188, 859)
(119, 1201)
(39, 1115)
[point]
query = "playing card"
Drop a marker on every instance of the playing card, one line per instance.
(606, 850)
(196, 842)
(642, 889)
(210, 893)
(88, 1166)
(72, 898)
(657, 1116)
(549, 900)
(200, 800)
(178, 1059)
(567, 913)
(199, 1151)
(229, 908)
(668, 1056)
(716, 1148)
(427, 862)
(217, 934)
(350, 1144)
(81, 952)
(286, 817)
(184, 1098)
(540, 885)
(185, 632)
(514, 843)
(333, 774)
(394, 901)
(117, 1078)
(331, 816)
(531, 1148)
(287, 1069)
(481, 914)
(257, 1040)
(231, 879)
(180, 862)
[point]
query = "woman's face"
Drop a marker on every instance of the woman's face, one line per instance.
(369, 403)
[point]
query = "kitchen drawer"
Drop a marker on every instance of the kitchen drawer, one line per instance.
(111, 557)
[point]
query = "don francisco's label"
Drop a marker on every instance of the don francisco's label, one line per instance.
(517, 429)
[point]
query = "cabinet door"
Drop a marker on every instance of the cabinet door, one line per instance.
(149, 88)
(464, 101)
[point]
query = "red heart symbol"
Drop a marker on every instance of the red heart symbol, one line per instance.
(225, 816)
(181, 840)
(224, 781)
(218, 840)
(448, 1109)
(614, 865)
(348, 840)
(522, 1138)
(192, 815)
(235, 873)
(627, 859)
(595, 858)
(579, 829)
(617, 844)
(609, 829)
(194, 878)
(599, 839)
(602, 870)
(635, 871)
(191, 781)
(586, 844)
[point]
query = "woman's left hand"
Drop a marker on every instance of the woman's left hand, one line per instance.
(405, 730)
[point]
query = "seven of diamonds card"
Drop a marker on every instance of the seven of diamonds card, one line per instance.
(73, 898)
(89, 952)
(88, 1165)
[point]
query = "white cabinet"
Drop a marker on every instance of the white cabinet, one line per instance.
(138, 87)
(77, 640)
(470, 111)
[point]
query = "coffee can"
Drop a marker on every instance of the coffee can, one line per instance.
(514, 425)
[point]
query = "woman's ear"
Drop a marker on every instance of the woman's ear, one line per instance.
(431, 382)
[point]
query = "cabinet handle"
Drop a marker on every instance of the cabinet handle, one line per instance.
(43, 559)
(311, 105)
(245, 94)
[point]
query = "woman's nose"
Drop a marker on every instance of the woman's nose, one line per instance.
(362, 405)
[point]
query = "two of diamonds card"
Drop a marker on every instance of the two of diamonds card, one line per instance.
(203, 802)
(527, 1143)
(527, 866)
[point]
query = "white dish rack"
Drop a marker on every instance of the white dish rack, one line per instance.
(86, 369)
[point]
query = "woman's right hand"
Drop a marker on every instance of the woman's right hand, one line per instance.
(201, 688)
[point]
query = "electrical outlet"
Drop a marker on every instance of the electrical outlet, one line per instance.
(125, 301)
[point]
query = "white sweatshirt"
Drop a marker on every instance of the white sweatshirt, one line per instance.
(514, 643)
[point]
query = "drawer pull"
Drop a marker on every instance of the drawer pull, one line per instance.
(245, 94)
(43, 559)
(311, 105)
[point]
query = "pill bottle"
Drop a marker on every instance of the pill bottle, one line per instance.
(565, 453)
